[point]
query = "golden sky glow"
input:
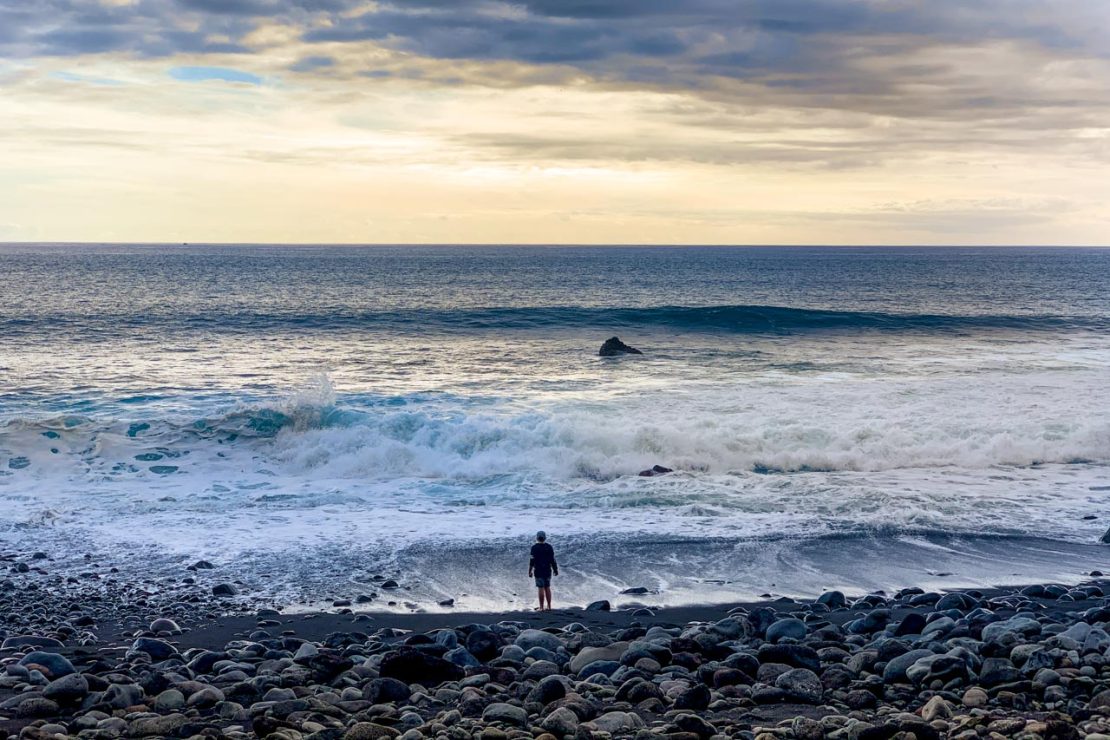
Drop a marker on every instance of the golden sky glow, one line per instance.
(541, 122)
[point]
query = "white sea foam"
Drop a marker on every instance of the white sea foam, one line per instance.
(755, 458)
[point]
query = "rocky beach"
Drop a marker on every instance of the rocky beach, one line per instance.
(93, 654)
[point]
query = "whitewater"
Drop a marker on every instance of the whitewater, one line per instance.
(849, 418)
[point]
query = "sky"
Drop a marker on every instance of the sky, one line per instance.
(556, 121)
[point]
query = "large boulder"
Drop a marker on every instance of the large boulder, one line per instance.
(788, 628)
(386, 690)
(621, 724)
(483, 644)
(588, 655)
(696, 697)
(998, 671)
(460, 656)
(529, 639)
(70, 689)
(414, 666)
(507, 713)
(561, 722)
(156, 649)
(549, 689)
(801, 685)
(52, 664)
(795, 656)
(895, 671)
(157, 726)
(614, 346)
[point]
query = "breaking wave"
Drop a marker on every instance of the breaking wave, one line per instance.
(740, 319)
(430, 437)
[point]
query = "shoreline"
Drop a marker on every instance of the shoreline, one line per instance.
(756, 669)
(488, 577)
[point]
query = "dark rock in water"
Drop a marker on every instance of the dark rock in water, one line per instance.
(614, 346)
(655, 470)
(1106, 538)
(415, 666)
(446, 602)
(635, 591)
(224, 589)
(390, 584)
(201, 565)
(599, 606)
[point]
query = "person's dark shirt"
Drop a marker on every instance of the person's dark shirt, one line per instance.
(542, 562)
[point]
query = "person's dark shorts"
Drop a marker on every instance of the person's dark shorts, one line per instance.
(543, 582)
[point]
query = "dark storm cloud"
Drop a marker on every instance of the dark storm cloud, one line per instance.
(885, 57)
(719, 37)
(144, 28)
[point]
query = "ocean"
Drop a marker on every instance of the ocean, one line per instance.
(305, 417)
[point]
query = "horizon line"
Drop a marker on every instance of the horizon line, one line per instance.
(600, 245)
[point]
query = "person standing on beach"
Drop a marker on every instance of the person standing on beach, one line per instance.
(541, 566)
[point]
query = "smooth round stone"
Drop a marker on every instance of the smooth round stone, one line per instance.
(164, 625)
(789, 628)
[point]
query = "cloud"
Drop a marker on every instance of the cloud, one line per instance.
(86, 79)
(312, 63)
(650, 107)
(219, 74)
